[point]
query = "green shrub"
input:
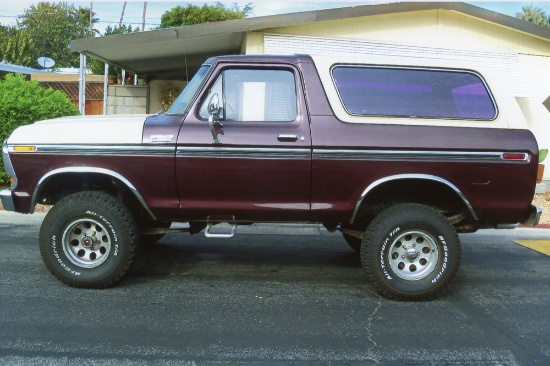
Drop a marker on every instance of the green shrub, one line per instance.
(23, 102)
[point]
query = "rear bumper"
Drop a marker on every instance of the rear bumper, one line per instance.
(7, 200)
(532, 218)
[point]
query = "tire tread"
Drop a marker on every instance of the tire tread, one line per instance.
(369, 252)
(103, 201)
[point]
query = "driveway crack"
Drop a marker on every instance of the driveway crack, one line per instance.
(370, 335)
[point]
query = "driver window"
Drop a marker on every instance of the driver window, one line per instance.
(255, 95)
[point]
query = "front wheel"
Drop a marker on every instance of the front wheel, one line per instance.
(410, 252)
(88, 239)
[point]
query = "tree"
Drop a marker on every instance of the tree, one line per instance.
(193, 14)
(52, 26)
(534, 15)
(97, 66)
(24, 102)
(17, 47)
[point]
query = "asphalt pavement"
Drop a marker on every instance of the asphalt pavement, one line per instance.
(274, 294)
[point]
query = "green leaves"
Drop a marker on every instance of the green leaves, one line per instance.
(535, 15)
(543, 153)
(193, 14)
(25, 102)
(46, 29)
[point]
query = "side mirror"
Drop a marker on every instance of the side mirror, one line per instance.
(214, 106)
(214, 110)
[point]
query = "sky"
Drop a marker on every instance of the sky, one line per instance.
(109, 12)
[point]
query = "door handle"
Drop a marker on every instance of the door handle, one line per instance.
(289, 138)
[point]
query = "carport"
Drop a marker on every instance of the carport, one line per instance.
(176, 53)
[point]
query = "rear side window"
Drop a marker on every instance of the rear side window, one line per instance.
(424, 93)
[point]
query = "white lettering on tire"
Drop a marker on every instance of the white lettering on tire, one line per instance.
(111, 228)
(382, 262)
(445, 259)
(58, 257)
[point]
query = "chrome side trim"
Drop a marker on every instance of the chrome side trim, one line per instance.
(8, 167)
(413, 155)
(240, 152)
(102, 149)
(90, 170)
(411, 176)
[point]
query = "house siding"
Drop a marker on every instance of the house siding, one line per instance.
(438, 28)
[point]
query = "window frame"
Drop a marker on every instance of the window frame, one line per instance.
(401, 67)
(220, 73)
(196, 94)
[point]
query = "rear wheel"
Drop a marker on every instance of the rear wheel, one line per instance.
(88, 239)
(410, 252)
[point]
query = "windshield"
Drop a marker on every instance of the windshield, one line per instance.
(180, 105)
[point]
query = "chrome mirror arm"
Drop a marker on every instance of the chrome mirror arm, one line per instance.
(214, 110)
(213, 124)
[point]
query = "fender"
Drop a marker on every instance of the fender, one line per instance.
(85, 169)
(411, 176)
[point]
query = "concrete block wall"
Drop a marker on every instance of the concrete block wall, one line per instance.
(127, 99)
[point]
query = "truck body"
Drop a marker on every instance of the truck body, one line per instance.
(350, 144)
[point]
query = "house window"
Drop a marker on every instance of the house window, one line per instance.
(413, 92)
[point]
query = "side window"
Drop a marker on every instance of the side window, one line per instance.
(424, 93)
(255, 95)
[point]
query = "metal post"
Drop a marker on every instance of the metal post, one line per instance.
(82, 85)
(105, 89)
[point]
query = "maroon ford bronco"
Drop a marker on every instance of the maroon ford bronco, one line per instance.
(399, 157)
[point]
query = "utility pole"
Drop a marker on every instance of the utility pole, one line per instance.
(91, 18)
(143, 18)
(120, 25)
(122, 15)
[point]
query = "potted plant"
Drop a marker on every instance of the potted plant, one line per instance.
(540, 172)
(168, 94)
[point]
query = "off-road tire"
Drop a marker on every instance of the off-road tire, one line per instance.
(410, 252)
(88, 240)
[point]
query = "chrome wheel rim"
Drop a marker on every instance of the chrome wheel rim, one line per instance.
(413, 255)
(86, 243)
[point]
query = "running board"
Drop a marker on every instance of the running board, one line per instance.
(164, 231)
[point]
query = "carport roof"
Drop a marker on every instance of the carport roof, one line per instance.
(172, 53)
(10, 68)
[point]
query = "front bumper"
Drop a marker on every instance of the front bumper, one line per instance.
(533, 216)
(7, 200)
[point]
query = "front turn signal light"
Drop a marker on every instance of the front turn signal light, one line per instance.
(24, 148)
